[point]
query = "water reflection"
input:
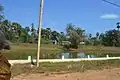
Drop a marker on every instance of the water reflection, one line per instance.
(69, 55)
(75, 55)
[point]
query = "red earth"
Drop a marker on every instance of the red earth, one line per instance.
(107, 74)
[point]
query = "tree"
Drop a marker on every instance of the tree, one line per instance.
(118, 25)
(74, 39)
(16, 31)
(32, 30)
(1, 12)
(24, 35)
(63, 36)
(75, 34)
(6, 28)
(97, 35)
(61, 33)
(27, 29)
(95, 41)
(88, 39)
(80, 33)
(55, 36)
(70, 27)
(43, 33)
(111, 38)
(17, 28)
(33, 33)
(90, 36)
(48, 33)
(100, 38)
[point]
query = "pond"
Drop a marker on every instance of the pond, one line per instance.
(69, 55)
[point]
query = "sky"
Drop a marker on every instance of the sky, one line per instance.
(91, 15)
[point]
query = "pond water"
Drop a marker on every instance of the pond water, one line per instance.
(68, 55)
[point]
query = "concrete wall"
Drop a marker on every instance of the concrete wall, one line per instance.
(60, 60)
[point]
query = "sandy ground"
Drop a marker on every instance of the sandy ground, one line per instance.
(108, 74)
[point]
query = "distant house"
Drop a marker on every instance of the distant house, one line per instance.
(66, 42)
(82, 43)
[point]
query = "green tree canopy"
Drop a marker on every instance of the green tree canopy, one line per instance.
(111, 38)
(1, 12)
(75, 34)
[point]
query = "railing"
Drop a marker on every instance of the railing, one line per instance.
(60, 60)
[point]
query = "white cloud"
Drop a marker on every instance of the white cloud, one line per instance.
(109, 16)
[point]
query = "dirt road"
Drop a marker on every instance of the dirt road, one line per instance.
(108, 74)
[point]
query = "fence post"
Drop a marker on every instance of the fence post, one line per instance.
(88, 56)
(107, 56)
(29, 58)
(63, 56)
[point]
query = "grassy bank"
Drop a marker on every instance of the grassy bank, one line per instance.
(22, 51)
(97, 49)
(66, 67)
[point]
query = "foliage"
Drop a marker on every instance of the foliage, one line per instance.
(118, 25)
(17, 33)
(75, 34)
(45, 41)
(1, 12)
(111, 38)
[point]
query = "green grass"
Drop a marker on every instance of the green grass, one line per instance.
(98, 49)
(22, 51)
(66, 67)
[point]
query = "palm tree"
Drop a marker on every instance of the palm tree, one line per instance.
(33, 33)
(33, 30)
(118, 25)
(6, 28)
(49, 32)
(90, 36)
(55, 36)
(27, 29)
(17, 29)
(76, 34)
(1, 11)
(62, 33)
(97, 35)
(70, 27)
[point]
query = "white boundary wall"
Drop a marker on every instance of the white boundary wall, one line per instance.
(61, 60)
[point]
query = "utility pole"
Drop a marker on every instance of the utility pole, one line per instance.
(39, 35)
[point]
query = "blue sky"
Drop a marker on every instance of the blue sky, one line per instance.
(91, 15)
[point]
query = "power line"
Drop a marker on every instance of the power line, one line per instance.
(117, 5)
